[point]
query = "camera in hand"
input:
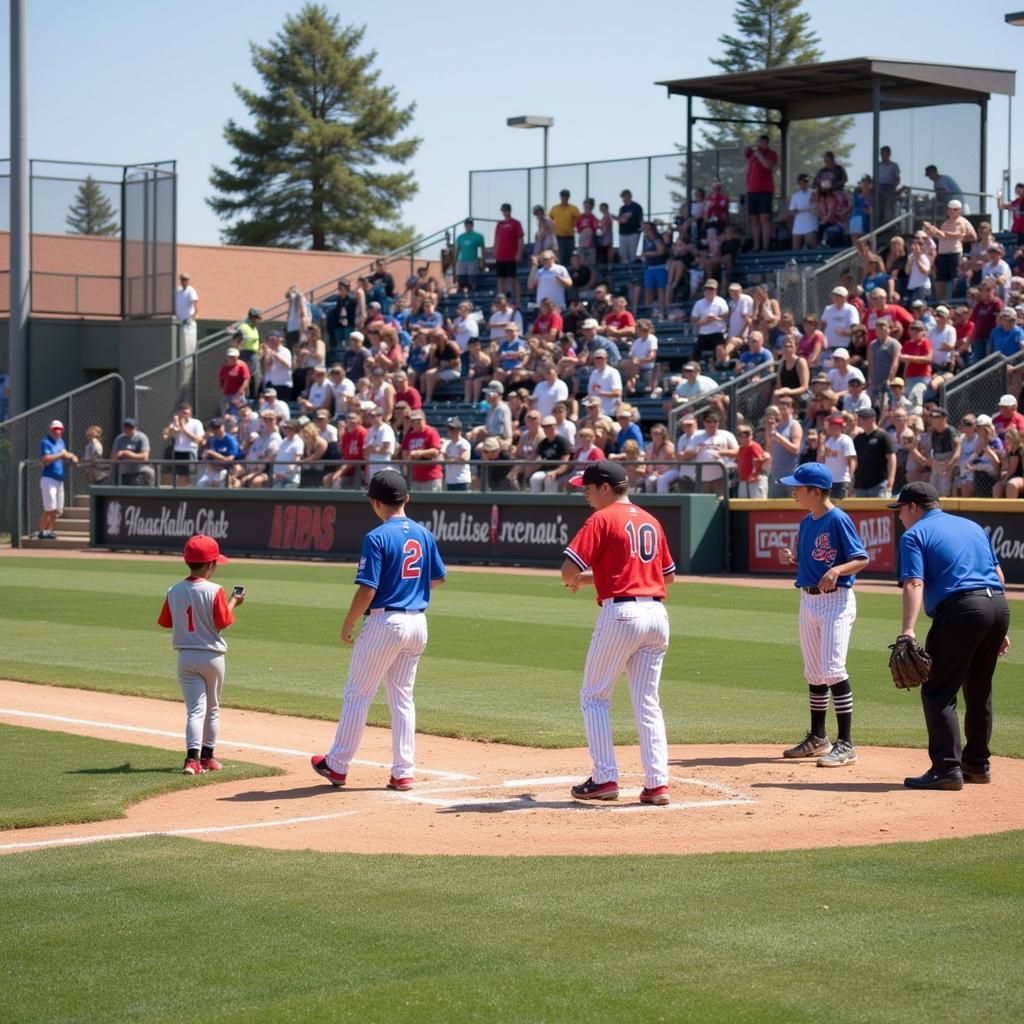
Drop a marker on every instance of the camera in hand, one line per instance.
(238, 591)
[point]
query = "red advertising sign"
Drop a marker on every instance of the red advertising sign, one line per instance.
(769, 532)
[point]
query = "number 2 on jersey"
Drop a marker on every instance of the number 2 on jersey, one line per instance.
(412, 562)
(643, 541)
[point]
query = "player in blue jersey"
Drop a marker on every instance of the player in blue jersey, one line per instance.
(400, 564)
(829, 555)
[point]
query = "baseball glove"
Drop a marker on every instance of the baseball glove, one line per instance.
(909, 663)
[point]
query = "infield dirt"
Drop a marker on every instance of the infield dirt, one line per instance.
(492, 799)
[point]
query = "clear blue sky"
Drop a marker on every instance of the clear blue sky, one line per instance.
(121, 81)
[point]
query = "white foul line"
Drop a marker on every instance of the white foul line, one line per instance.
(110, 836)
(224, 743)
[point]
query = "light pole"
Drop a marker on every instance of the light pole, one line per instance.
(1015, 18)
(536, 121)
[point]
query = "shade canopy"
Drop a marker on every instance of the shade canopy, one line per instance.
(848, 86)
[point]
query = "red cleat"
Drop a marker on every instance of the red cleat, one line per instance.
(400, 784)
(210, 764)
(192, 767)
(591, 790)
(319, 763)
(658, 795)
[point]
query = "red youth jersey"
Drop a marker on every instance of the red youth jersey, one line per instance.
(507, 236)
(352, 443)
(627, 551)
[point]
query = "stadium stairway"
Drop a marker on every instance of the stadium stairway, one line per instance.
(72, 529)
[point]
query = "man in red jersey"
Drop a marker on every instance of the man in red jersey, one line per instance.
(508, 251)
(621, 550)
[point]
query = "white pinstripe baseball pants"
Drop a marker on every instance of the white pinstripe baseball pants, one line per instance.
(388, 648)
(631, 637)
(826, 621)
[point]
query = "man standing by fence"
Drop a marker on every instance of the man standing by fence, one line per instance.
(186, 305)
(53, 454)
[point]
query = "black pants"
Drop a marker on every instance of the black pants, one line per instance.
(964, 644)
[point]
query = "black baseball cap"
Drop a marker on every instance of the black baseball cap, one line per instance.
(918, 493)
(604, 471)
(388, 486)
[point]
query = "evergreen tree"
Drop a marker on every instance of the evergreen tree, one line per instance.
(769, 34)
(92, 212)
(308, 172)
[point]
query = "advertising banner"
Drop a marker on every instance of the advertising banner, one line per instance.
(769, 532)
(500, 532)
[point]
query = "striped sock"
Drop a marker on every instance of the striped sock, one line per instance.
(818, 697)
(842, 701)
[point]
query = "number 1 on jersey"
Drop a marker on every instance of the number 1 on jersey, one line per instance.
(189, 617)
(412, 562)
(643, 541)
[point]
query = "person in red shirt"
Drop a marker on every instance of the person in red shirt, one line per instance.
(549, 324)
(621, 550)
(750, 463)
(508, 251)
(619, 325)
(879, 307)
(233, 377)
(586, 231)
(422, 446)
(761, 162)
(351, 444)
(916, 359)
(716, 211)
(1007, 416)
(405, 392)
(984, 316)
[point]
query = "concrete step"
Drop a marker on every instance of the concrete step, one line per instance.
(75, 514)
(81, 501)
(64, 542)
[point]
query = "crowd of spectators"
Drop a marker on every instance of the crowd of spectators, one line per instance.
(552, 365)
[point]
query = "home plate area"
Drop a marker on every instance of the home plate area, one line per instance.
(550, 793)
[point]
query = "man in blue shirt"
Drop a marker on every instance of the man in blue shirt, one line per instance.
(400, 564)
(628, 430)
(53, 454)
(221, 451)
(1006, 337)
(947, 566)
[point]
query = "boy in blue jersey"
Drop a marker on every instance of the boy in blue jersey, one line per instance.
(829, 555)
(400, 564)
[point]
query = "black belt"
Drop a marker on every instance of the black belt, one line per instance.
(624, 600)
(395, 608)
(977, 592)
(811, 590)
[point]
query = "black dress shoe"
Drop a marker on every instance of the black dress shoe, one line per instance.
(977, 776)
(952, 779)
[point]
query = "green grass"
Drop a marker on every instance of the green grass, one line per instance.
(167, 930)
(503, 663)
(75, 778)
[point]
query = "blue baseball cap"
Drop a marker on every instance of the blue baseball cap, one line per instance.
(810, 474)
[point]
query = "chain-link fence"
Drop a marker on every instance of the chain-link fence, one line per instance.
(978, 388)
(99, 404)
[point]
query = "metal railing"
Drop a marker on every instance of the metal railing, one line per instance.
(100, 403)
(725, 395)
(978, 388)
(164, 474)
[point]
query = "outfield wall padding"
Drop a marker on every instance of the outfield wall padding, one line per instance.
(759, 529)
(483, 529)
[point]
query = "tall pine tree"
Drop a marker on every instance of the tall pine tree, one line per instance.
(769, 34)
(91, 213)
(320, 166)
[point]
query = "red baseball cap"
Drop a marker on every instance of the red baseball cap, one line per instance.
(837, 420)
(201, 548)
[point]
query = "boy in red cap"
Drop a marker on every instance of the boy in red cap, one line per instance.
(196, 610)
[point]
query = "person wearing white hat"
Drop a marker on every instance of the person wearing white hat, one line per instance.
(955, 231)
(1008, 416)
(838, 320)
(53, 454)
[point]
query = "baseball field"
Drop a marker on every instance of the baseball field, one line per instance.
(768, 890)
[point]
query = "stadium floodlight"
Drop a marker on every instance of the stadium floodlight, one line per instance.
(536, 121)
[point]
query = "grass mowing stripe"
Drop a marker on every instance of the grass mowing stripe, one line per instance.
(77, 778)
(617, 939)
